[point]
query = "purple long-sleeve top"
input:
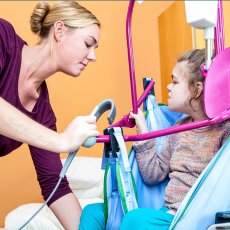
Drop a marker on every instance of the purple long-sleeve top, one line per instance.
(47, 164)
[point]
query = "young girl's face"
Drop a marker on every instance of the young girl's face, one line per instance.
(178, 90)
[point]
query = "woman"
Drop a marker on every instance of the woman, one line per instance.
(68, 36)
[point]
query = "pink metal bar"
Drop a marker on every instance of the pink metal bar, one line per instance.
(130, 56)
(125, 121)
(219, 45)
(219, 29)
(145, 93)
(164, 132)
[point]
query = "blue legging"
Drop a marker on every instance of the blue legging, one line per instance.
(92, 218)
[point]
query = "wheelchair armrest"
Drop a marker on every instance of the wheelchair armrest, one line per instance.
(219, 226)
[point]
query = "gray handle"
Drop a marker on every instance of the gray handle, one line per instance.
(103, 106)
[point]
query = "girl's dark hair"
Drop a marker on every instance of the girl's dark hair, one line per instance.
(195, 59)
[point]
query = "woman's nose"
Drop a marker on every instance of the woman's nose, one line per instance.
(92, 56)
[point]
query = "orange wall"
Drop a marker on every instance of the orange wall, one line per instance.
(107, 78)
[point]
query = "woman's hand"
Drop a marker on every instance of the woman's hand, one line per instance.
(77, 132)
(139, 118)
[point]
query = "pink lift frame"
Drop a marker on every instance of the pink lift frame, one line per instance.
(216, 87)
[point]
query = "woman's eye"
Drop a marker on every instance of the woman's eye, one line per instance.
(174, 82)
(87, 45)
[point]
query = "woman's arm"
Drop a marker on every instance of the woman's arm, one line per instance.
(16, 125)
(68, 211)
(63, 203)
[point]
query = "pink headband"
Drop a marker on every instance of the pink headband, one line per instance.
(203, 71)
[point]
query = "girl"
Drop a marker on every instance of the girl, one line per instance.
(184, 155)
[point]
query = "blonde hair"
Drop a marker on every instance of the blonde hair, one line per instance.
(70, 13)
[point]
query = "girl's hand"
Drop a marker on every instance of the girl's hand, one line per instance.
(139, 118)
(78, 131)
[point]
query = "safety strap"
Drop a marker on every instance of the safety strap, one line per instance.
(120, 139)
(124, 178)
(120, 194)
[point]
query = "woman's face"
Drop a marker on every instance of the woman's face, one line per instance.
(75, 49)
(178, 90)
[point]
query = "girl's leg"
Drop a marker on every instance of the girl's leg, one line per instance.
(92, 217)
(144, 219)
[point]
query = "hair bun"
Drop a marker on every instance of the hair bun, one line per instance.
(38, 16)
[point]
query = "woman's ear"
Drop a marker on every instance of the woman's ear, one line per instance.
(59, 28)
(200, 87)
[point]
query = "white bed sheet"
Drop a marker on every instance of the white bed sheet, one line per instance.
(86, 181)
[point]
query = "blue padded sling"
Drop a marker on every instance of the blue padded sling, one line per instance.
(119, 188)
(208, 195)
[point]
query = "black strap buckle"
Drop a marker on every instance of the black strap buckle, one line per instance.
(145, 84)
(113, 145)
